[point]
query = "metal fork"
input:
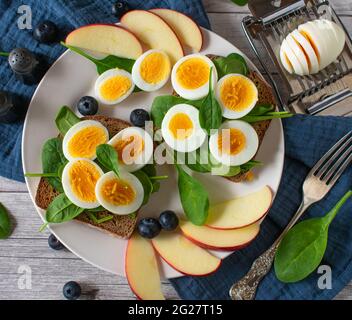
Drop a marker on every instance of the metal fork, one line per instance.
(317, 184)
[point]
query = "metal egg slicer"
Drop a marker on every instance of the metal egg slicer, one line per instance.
(328, 92)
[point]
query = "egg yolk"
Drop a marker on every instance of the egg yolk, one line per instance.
(118, 192)
(231, 141)
(237, 93)
(129, 148)
(193, 73)
(155, 68)
(83, 178)
(181, 126)
(115, 87)
(84, 143)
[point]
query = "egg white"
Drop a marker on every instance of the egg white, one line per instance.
(68, 188)
(74, 130)
(232, 114)
(110, 74)
(195, 140)
(122, 209)
(249, 151)
(145, 156)
(137, 78)
(193, 94)
(296, 65)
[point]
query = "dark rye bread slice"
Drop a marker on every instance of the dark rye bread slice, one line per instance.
(119, 226)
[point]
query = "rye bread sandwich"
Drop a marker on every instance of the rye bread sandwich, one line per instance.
(121, 226)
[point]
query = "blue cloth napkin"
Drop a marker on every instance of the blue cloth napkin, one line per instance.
(307, 139)
(68, 15)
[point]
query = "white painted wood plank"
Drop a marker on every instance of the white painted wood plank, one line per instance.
(7, 185)
(226, 6)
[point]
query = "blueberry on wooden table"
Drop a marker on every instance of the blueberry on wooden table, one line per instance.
(72, 290)
(168, 220)
(149, 228)
(119, 8)
(87, 106)
(54, 243)
(138, 117)
(46, 32)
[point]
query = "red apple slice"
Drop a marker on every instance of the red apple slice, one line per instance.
(185, 28)
(240, 212)
(154, 32)
(106, 38)
(142, 269)
(184, 256)
(219, 239)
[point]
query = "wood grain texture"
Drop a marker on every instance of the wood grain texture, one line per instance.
(28, 247)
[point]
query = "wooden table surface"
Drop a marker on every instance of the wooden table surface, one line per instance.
(50, 269)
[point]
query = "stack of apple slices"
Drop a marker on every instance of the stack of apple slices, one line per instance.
(163, 29)
(231, 226)
(312, 47)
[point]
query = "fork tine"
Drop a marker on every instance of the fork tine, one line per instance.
(339, 172)
(331, 155)
(326, 176)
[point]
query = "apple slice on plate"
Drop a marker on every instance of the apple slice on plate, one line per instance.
(184, 256)
(219, 239)
(106, 38)
(142, 269)
(240, 212)
(154, 32)
(185, 28)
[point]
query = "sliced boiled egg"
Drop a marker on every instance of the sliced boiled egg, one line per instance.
(234, 143)
(299, 53)
(190, 76)
(120, 195)
(79, 179)
(134, 147)
(151, 70)
(292, 58)
(308, 50)
(237, 95)
(181, 129)
(82, 139)
(113, 86)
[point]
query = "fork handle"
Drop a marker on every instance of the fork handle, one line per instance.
(245, 288)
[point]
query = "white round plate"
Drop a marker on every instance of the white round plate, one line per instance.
(72, 77)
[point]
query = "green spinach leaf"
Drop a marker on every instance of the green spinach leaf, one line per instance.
(150, 170)
(302, 249)
(146, 183)
(65, 119)
(61, 209)
(108, 158)
(210, 113)
(5, 224)
(233, 63)
(194, 197)
(240, 2)
(267, 116)
(53, 161)
(250, 165)
(96, 220)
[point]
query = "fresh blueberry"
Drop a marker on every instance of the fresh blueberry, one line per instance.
(45, 32)
(168, 220)
(149, 228)
(71, 290)
(54, 243)
(138, 117)
(119, 8)
(21, 60)
(87, 106)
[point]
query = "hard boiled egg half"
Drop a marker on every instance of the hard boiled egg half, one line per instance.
(79, 179)
(121, 194)
(82, 139)
(237, 95)
(151, 70)
(312, 47)
(113, 86)
(190, 76)
(234, 143)
(181, 129)
(134, 147)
